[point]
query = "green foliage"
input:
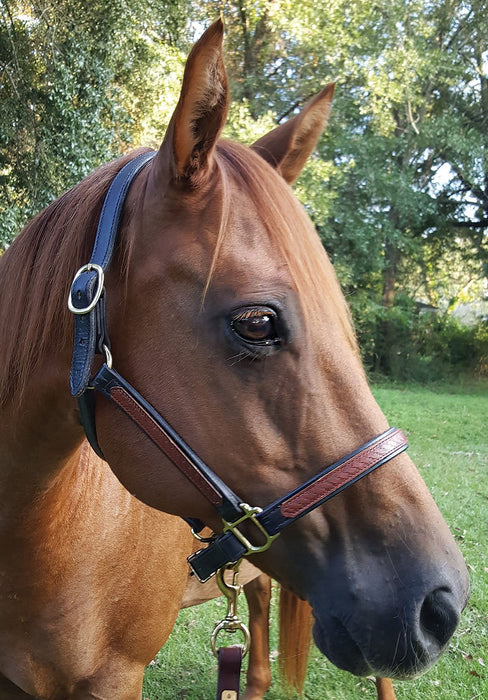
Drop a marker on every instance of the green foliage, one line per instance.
(407, 344)
(75, 86)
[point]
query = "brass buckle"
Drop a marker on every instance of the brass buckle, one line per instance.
(250, 513)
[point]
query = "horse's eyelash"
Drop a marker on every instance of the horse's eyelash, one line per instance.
(244, 315)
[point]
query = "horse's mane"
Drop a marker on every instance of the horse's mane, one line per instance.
(36, 273)
(45, 256)
(289, 231)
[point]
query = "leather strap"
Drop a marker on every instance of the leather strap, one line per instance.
(343, 474)
(86, 407)
(315, 492)
(230, 659)
(228, 547)
(110, 383)
(90, 330)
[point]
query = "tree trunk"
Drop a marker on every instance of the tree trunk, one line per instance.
(389, 275)
(386, 335)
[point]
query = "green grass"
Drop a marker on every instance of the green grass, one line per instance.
(447, 429)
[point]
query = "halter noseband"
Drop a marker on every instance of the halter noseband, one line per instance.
(87, 303)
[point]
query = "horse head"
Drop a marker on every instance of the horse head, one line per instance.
(225, 313)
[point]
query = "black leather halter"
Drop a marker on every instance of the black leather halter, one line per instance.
(87, 303)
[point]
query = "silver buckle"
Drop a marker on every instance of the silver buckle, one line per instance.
(87, 268)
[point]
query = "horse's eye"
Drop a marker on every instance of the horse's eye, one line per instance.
(256, 325)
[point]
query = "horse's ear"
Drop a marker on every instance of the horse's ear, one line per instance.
(201, 111)
(288, 146)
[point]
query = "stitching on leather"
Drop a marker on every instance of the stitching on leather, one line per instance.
(165, 443)
(340, 476)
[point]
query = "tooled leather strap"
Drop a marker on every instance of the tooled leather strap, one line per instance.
(228, 548)
(344, 473)
(315, 492)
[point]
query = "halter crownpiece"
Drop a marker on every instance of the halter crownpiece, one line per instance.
(87, 303)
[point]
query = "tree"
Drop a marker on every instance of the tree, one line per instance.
(75, 84)
(462, 117)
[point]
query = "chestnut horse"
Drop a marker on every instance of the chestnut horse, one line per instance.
(224, 312)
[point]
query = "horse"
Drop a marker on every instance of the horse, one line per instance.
(224, 312)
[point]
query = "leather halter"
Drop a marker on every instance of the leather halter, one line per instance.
(87, 303)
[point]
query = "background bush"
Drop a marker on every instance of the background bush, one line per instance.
(407, 344)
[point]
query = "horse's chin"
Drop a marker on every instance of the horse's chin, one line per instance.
(340, 648)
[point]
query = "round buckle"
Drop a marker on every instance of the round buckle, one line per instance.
(85, 310)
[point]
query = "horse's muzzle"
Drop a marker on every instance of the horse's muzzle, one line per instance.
(403, 641)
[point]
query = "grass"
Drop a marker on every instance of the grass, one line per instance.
(447, 430)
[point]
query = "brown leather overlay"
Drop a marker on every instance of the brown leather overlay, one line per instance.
(342, 475)
(165, 443)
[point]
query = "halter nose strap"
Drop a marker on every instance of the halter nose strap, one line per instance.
(286, 510)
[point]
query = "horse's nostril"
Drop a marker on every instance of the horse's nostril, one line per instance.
(438, 616)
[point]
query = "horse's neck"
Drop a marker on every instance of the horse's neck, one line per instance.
(39, 435)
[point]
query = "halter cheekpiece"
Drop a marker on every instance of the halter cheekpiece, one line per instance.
(87, 303)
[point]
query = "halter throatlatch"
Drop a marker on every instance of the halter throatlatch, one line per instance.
(246, 529)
